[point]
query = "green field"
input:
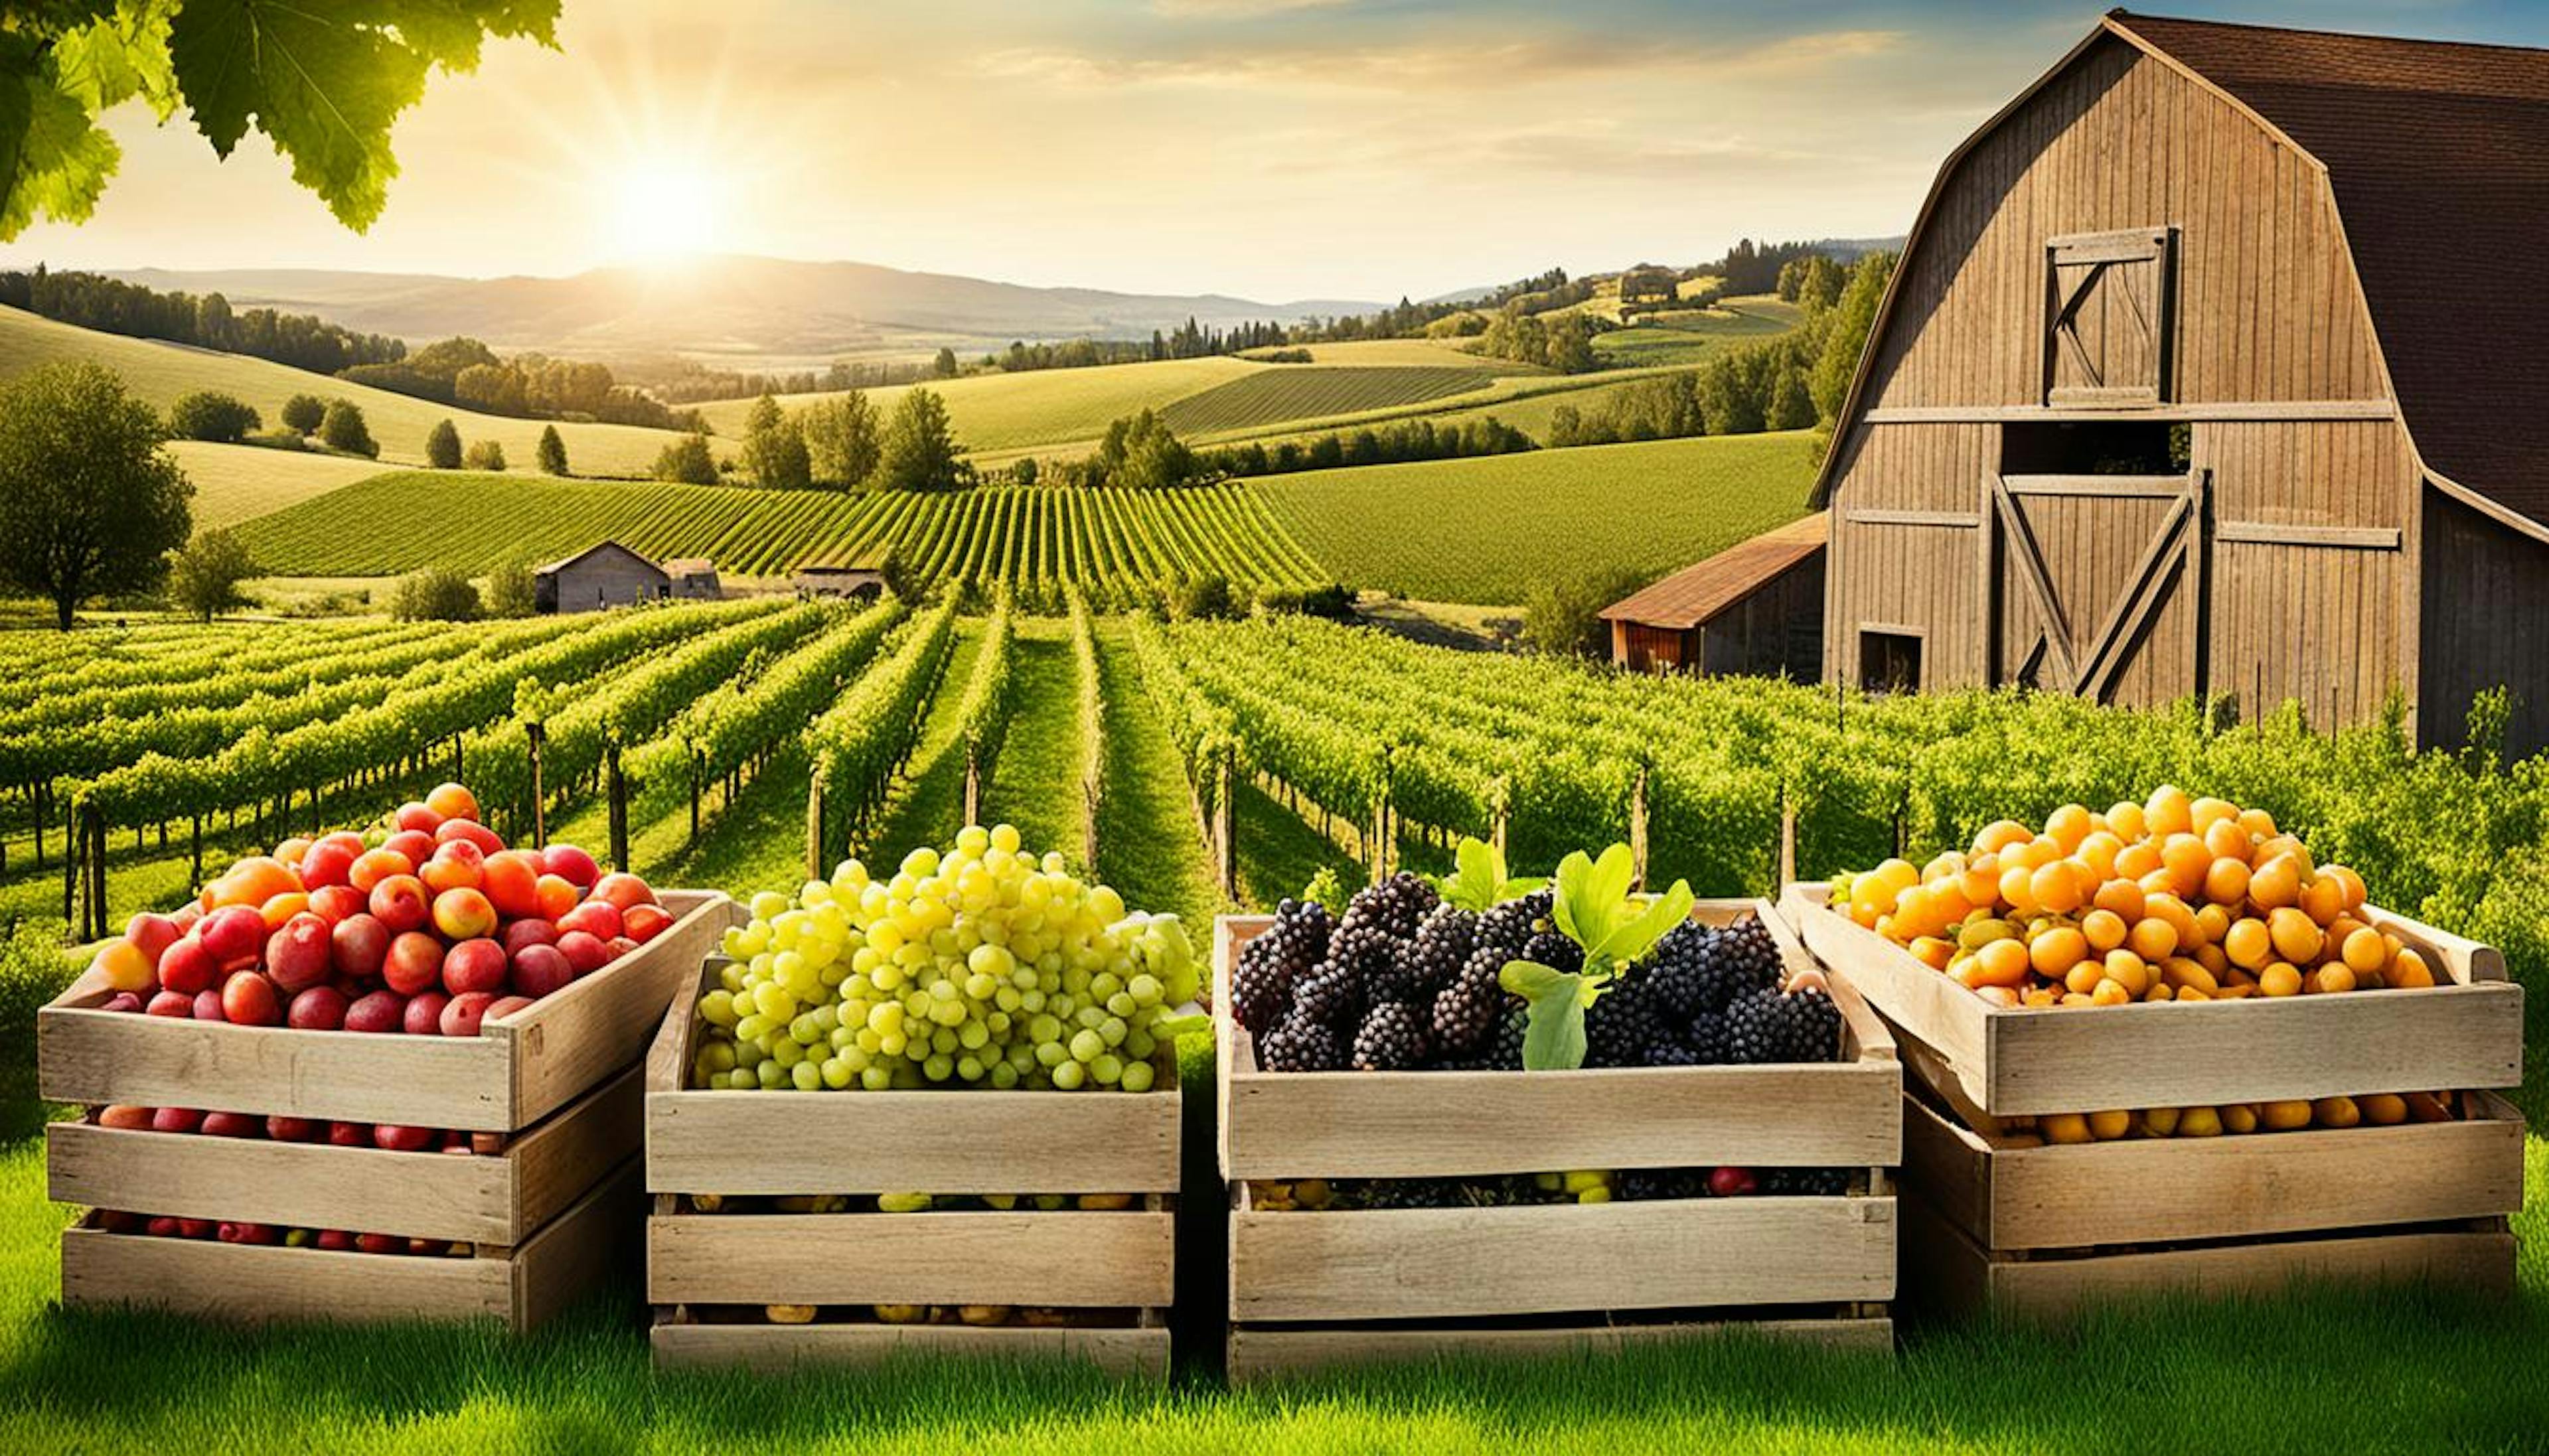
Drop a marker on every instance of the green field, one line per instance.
(1413, 352)
(1044, 407)
(396, 524)
(1310, 392)
(1688, 336)
(236, 482)
(1483, 531)
(158, 373)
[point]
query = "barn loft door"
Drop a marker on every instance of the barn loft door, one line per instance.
(2100, 585)
(2108, 324)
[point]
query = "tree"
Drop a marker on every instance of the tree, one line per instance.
(322, 83)
(1853, 315)
(944, 366)
(442, 446)
(842, 442)
(512, 590)
(204, 579)
(774, 450)
(688, 461)
(304, 414)
(920, 449)
(1570, 345)
(434, 594)
(1791, 406)
(1564, 618)
(552, 452)
(486, 455)
(344, 429)
(89, 501)
(207, 415)
(901, 577)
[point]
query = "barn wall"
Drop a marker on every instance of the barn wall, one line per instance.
(606, 580)
(1775, 630)
(2486, 624)
(1922, 575)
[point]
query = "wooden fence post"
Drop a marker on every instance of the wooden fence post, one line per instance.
(1787, 847)
(815, 828)
(539, 801)
(42, 793)
(455, 760)
(695, 799)
(618, 812)
(973, 784)
(1225, 850)
(1637, 825)
(70, 880)
(196, 850)
(1089, 807)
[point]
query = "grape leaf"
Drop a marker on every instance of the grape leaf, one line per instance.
(54, 158)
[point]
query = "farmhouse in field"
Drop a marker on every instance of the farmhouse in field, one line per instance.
(1754, 607)
(2218, 361)
(693, 579)
(602, 575)
(826, 578)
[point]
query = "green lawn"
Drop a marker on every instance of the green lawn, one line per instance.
(1482, 530)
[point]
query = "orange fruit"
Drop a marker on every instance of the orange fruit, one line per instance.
(2408, 973)
(2085, 976)
(2056, 887)
(2127, 821)
(2000, 963)
(2248, 943)
(2238, 1117)
(2329, 980)
(2099, 852)
(2280, 979)
(2283, 1117)
(2137, 859)
(2364, 950)
(2104, 929)
(2188, 976)
(451, 802)
(2167, 812)
(2123, 898)
(2225, 881)
(2068, 826)
(2323, 900)
(2106, 1127)
(2128, 971)
(2000, 835)
(2352, 883)
(2383, 1108)
(2296, 937)
(2226, 842)
(2212, 923)
(2208, 811)
(2057, 950)
(2109, 993)
(2018, 888)
(2185, 860)
(2335, 1111)
(2153, 938)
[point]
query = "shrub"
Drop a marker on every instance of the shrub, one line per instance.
(343, 428)
(205, 578)
(511, 589)
(434, 594)
(552, 451)
(687, 460)
(207, 414)
(304, 414)
(484, 455)
(1565, 619)
(442, 446)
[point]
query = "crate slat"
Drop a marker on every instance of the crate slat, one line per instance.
(1066, 1259)
(776, 1348)
(1261, 1353)
(936, 1142)
(2010, 1062)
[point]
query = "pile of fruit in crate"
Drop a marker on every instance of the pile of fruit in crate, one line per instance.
(1483, 972)
(1320, 1195)
(980, 965)
(2175, 899)
(428, 925)
(2379, 1110)
(233, 1230)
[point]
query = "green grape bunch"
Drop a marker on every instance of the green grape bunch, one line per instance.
(980, 965)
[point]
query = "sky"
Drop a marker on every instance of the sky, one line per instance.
(1276, 149)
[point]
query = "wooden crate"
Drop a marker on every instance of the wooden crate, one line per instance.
(1316, 1288)
(519, 1069)
(710, 1274)
(522, 1286)
(2044, 1232)
(1990, 1061)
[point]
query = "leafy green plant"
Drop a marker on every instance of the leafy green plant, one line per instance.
(1479, 880)
(1593, 908)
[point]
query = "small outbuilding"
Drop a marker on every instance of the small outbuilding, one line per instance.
(603, 575)
(1755, 608)
(833, 578)
(693, 579)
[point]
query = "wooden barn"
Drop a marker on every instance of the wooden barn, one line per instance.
(2218, 361)
(602, 575)
(1757, 607)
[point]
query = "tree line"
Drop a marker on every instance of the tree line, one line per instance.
(112, 306)
(466, 373)
(840, 443)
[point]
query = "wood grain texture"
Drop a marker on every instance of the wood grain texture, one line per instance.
(598, 1241)
(1665, 1254)
(2164, 1190)
(1262, 1353)
(774, 1349)
(516, 1072)
(1089, 1259)
(1440, 1124)
(2461, 1035)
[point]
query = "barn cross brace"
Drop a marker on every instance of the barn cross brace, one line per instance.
(2172, 550)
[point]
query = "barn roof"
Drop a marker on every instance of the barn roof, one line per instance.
(2438, 153)
(690, 566)
(1695, 594)
(598, 547)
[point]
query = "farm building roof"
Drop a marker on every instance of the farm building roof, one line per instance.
(690, 566)
(563, 562)
(2438, 153)
(1695, 594)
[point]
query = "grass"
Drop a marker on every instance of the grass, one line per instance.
(158, 373)
(1687, 337)
(1036, 783)
(1310, 392)
(1483, 532)
(1045, 406)
(234, 482)
(1148, 845)
(1410, 351)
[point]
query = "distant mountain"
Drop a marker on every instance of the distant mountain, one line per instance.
(761, 310)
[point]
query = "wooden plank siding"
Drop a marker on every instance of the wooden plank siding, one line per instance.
(2265, 317)
(2486, 619)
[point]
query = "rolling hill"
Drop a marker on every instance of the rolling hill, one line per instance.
(1041, 407)
(159, 372)
(238, 483)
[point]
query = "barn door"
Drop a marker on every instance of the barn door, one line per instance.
(2100, 585)
(2107, 327)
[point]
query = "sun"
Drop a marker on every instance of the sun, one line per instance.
(661, 212)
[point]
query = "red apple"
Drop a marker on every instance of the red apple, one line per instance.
(290, 1129)
(153, 934)
(416, 817)
(207, 1006)
(131, 1119)
(402, 903)
(122, 1002)
(643, 923)
(423, 1015)
(414, 846)
(413, 963)
(249, 1234)
(473, 965)
(374, 866)
(505, 1006)
(522, 932)
(116, 1221)
(540, 969)
(404, 1139)
(290, 851)
(299, 954)
(380, 1243)
(317, 1009)
(162, 1226)
(337, 904)
(337, 1240)
(171, 1003)
(463, 915)
(584, 951)
(452, 802)
(327, 862)
(357, 944)
(557, 896)
(233, 1125)
(195, 1227)
(619, 946)
(379, 1012)
(345, 839)
(511, 879)
(349, 1135)
(248, 999)
(176, 1120)
(471, 831)
(571, 864)
(598, 919)
(453, 871)
(462, 1016)
(622, 890)
(187, 916)
(1731, 1182)
(233, 936)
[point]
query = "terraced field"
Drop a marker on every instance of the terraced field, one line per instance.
(1287, 392)
(473, 522)
(1485, 530)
